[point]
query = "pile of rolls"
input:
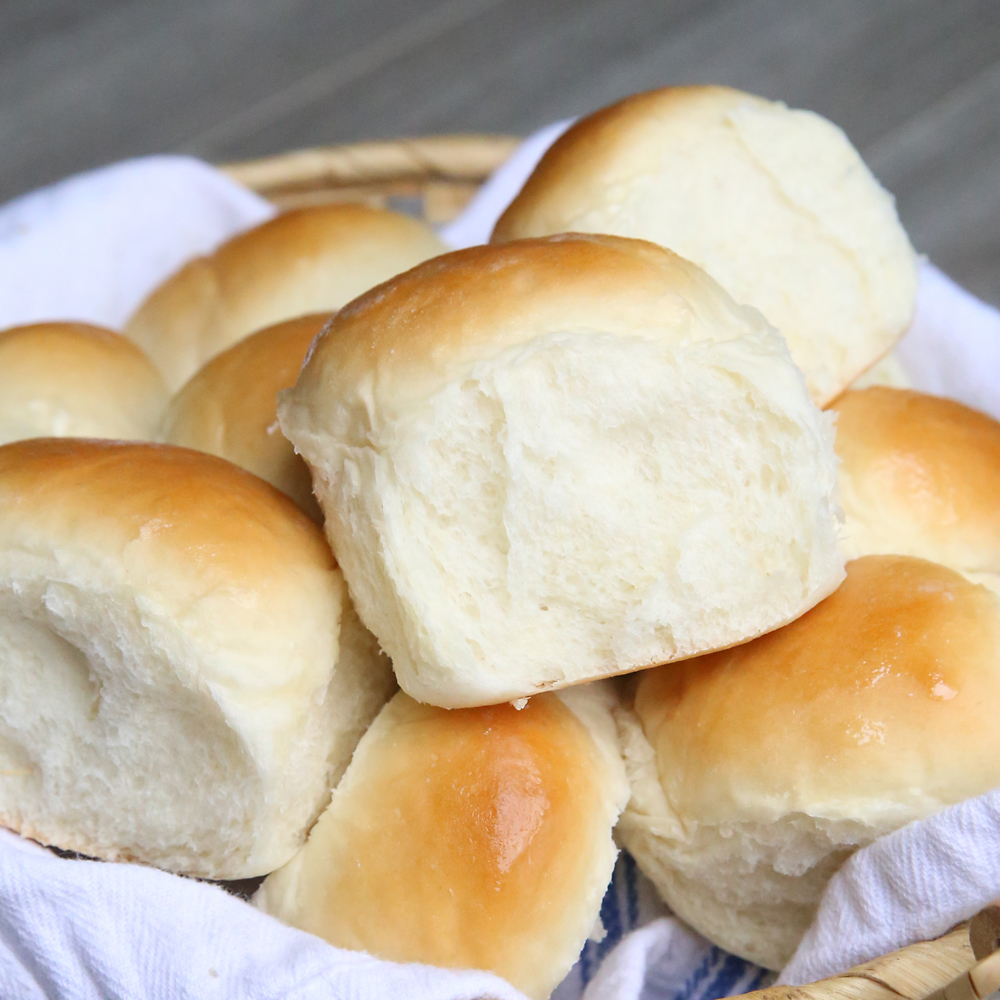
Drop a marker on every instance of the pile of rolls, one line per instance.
(421, 582)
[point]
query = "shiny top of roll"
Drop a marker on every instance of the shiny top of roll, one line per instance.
(919, 475)
(877, 705)
(76, 380)
(304, 261)
(471, 838)
(229, 408)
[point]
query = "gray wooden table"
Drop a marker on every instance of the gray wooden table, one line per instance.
(915, 83)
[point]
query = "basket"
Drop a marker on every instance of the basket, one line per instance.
(434, 178)
(911, 973)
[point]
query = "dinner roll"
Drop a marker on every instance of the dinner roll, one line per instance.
(76, 380)
(170, 687)
(477, 838)
(920, 476)
(758, 770)
(304, 261)
(775, 204)
(559, 459)
(229, 407)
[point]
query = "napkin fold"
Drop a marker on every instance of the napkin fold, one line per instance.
(668, 961)
(90, 248)
(911, 885)
(88, 930)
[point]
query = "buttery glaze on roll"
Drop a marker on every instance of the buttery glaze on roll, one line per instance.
(473, 838)
(229, 408)
(920, 476)
(304, 261)
(76, 380)
(560, 459)
(757, 771)
(180, 676)
(775, 204)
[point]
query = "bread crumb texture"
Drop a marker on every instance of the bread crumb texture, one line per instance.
(559, 459)
(170, 688)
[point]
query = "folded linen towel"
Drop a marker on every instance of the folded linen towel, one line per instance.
(86, 930)
(91, 248)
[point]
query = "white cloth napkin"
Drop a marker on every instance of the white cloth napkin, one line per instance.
(476, 223)
(666, 960)
(912, 885)
(85, 930)
(91, 248)
(953, 347)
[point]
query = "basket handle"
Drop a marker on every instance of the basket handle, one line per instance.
(984, 977)
(984, 931)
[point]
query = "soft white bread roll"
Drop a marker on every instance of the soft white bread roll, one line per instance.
(920, 476)
(170, 686)
(304, 261)
(229, 408)
(560, 459)
(776, 204)
(76, 380)
(757, 771)
(477, 838)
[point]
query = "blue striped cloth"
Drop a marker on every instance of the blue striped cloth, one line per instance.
(707, 973)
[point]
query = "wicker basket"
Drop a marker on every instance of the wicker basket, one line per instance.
(912, 972)
(434, 178)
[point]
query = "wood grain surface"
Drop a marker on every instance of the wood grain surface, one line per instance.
(915, 83)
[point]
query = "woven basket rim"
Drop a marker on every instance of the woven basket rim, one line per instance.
(911, 973)
(470, 157)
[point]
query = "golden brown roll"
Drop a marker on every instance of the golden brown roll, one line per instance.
(76, 380)
(304, 261)
(178, 683)
(775, 204)
(474, 838)
(920, 476)
(554, 460)
(757, 771)
(229, 408)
